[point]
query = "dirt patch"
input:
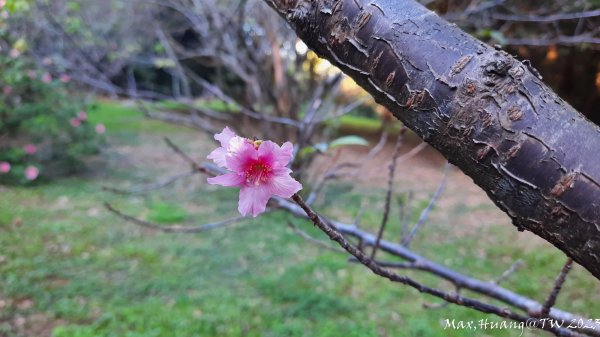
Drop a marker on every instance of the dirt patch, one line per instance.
(16, 313)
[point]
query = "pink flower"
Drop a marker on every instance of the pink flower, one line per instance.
(14, 53)
(7, 90)
(75, 122)
(82, 115)
(4, 167)
(65, 78)
(46, 78)
(31, 173)
(30, 149)
(32, 74)
(258, 167)
(100, 129)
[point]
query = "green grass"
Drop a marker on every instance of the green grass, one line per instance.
(95, 275)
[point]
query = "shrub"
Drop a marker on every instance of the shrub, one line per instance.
(44, 130)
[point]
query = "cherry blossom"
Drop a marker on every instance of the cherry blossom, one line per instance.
(30, 149)
(4, 167)
(257, 167)
(46, 78)
(100, 129)
(31, 173)
(82, 116)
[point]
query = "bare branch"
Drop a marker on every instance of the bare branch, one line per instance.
(174, 228)
(558, 283)
(388, 195)
(313, 240)
(449, 297)
(485, 288)
(151, 187)
(244, 110)
(507, 273)
(547, 18)
(194, 164)
(406, 240)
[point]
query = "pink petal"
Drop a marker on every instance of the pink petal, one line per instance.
(269, 152)
(100, 128)
(287, 152)
(225, 136)
(240, 160)
(282, 184)
(228, 179)
(253, 199)
(30, 149)
(31, 172)
(219, 156)
(4, 167)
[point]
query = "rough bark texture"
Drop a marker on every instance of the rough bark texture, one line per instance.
(488, 113)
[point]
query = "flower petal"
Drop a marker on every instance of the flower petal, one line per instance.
(282, 184)
(228, 179)
(287, 152)
(268, 152)
(219, 156)
(240, 160)
(253, 199)
(225, 136)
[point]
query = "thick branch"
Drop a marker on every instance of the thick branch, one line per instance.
(486, 112)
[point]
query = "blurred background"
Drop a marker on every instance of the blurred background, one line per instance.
(90, 89)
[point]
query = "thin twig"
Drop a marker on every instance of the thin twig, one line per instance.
(407, 240)
(485, 288)
(558, 283)
(403, 217)
(449, 297)
(194, 164)
(388, 195)
(508, 272)
(433, 306)
(313, 240)
(151, 187)
(548, 18)
(174, 228)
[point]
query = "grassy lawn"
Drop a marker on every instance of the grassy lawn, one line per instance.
(69, 268)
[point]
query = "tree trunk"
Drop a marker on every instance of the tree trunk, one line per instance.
(486, 112)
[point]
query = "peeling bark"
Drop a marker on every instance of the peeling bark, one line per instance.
(486, 112)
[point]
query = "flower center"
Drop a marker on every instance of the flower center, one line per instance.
(258, 173)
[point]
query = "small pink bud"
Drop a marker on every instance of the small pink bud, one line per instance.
(31, 173)
(82, 116)
(4, 167)
(32, 74)
(65, 78)
(46, 78)
(75, 122)
(30, 149)
(7, 90)
(14, 53)
(100, 129)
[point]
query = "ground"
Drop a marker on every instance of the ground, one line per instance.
(70, 268)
